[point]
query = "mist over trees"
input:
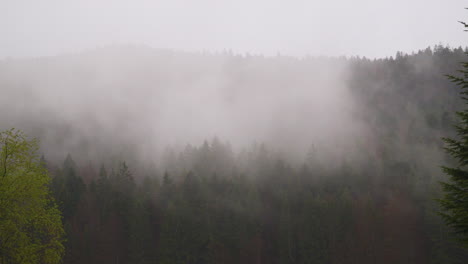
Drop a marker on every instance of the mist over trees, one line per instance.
(159, 156)
(138, 99)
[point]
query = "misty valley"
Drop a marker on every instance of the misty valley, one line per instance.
(162, 156)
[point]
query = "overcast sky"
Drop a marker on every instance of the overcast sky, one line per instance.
(370, 28)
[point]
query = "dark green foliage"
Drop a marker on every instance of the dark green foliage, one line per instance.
(68, 188)
(455, 200)
(283, 215)
(212, 205)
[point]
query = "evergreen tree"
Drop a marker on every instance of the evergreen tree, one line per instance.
(455, 201)
(68, 188)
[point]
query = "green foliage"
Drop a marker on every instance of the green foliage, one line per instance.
(68, 188)
(455, 201)
(31, 229)
(215, 206)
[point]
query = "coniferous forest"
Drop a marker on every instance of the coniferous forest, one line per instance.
(273, 175)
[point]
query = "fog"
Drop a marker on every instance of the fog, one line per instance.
(133, 79)
(229, 131)
(332, 28)
(134, 102)
(142, 99)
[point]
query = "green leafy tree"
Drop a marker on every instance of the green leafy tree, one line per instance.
(31, 229)
(455, 200)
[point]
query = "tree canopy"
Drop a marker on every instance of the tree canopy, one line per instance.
(31, 229)
(455, 201)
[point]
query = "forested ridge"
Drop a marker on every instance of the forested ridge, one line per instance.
(321, 180)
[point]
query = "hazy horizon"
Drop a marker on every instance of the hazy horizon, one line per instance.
(248, 131)
(298, 28)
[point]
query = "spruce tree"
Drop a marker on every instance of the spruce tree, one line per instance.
(454, 203)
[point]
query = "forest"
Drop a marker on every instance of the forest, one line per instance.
(159, 156)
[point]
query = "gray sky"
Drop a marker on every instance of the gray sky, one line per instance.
(369, 28)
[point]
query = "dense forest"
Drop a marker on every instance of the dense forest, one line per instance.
(159, 156)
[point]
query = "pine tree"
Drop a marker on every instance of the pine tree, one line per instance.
(68, 188)
(455, 200)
